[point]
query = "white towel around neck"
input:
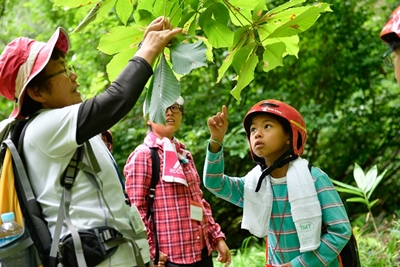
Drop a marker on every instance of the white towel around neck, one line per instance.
(172, 169)
(302, 195)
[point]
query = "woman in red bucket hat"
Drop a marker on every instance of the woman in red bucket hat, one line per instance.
(37, 77)
(390, 34)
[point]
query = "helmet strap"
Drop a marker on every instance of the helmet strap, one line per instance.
(280, 162)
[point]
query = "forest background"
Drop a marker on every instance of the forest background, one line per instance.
(347, 96)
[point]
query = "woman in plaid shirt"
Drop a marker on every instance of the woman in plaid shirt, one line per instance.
(275, 205)
(186, 230)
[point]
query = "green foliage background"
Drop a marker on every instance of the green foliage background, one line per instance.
(348, 98)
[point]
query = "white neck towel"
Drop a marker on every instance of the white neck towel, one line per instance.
(302, 195)
(172, 169)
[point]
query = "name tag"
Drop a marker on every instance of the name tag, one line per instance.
(196, 211)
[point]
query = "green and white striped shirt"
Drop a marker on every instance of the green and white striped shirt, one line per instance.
(334, 216)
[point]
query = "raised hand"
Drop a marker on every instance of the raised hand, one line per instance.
(156, 37)
(218, 125)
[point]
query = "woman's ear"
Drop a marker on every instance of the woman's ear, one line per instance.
(35, 94)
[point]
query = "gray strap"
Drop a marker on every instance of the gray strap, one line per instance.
(20, 169)
(74, 233)
(92, 157)
(57, 231)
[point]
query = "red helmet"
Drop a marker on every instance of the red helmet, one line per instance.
(285, 111)
(391, 31)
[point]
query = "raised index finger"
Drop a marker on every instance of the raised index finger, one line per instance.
(225, 112)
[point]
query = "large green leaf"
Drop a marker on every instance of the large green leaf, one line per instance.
(250, 4)
(241, 57)
(291, 44)
(287, 5)
(164, 90)
(300, 23)
(119, 39)
(186, 57)
(245, 76)
(218, 34)
(272, 56)
(118, 62)
(124, 10)
(229, 58)
(72, 3)
(242, 17)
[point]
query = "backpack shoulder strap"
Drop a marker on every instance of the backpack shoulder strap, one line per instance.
(155, 176)
(155, 173)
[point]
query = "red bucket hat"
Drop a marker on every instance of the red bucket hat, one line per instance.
(22, 60)
(391, 30)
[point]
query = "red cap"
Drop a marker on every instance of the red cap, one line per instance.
(22, 60)
(391, 30)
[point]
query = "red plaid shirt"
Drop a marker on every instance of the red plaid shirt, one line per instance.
(180, 237)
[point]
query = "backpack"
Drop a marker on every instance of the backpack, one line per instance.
(36, 247)
(348, 257)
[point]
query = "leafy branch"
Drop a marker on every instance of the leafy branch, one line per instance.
(253, 36)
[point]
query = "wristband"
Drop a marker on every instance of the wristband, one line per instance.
(215, 141)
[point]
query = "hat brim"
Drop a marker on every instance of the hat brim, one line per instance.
(60, 40)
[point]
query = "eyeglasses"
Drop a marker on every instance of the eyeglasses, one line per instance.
(388, 59)
(175, 108)
(68, 70)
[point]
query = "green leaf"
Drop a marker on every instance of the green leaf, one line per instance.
(91, 16)
(194, 4)
(348, 191)
(300, 23)
(124, 10)
(228, 60)
(370, 178)
(118, 63)
(220, 13)
(186, 57)
(245, 76)
(242, 56)
(347, 186)
(258, 10)
(241, 17)
(218, 34)
(272, 56)
(209, 52)
(72, 3)
(146, 5)
(165, 90)
(372, 203)
(291, 43)
(119, 39)
(377, 181)
(359, 177)
(357, 199)
(287, 5)
(244, 4)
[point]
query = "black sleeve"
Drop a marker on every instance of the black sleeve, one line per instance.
(103, 111)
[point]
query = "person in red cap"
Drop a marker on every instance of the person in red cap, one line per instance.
(285, 200)
(390, 34)
(182, 232)
(36, 75)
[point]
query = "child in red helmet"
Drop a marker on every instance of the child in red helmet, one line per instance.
(390, 34)
(282, 198)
